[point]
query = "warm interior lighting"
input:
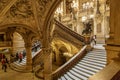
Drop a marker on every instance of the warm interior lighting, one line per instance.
(59, 10)
(91, 16)
(84, 18)
(74, 4)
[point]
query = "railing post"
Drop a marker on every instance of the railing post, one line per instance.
(87, 42)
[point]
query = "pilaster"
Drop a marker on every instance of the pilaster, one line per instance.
(28, 47)
(113, 43)
(114, 23)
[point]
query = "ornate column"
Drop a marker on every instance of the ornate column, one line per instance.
(28, 46)
(113, 43)
(107, 28)
(47, 63)
(99, 20)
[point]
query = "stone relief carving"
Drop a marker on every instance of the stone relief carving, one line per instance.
(42, 6)
(3, 3)
(22, 8)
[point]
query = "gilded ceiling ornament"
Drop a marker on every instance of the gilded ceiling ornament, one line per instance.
(42, 6)
(22, 8)
(3, 3)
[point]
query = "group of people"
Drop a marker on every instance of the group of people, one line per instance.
(20, 55)
(35, 46)
(4, 62)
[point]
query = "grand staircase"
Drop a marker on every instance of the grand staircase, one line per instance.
(92, 63)
(66, 34)
(21, 66)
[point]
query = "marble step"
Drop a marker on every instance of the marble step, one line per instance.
(93, 66)
(81, 73)
(94, 60)
(92, 63)
(84, 70)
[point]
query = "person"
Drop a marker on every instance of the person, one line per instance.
(17, 56)
(24, 53)
(3, 56)
(94, 39)
(20, 56)
(4, 66)
(7, 61)
(59, 16)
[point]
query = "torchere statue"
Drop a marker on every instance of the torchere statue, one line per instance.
(87, 29)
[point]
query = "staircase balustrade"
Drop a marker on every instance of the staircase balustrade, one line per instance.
(116, 76)
(64, 68)
(69, 31)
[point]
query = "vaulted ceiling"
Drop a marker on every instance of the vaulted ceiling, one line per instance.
(33, 14)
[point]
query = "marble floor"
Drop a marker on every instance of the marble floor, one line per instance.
(13, 75)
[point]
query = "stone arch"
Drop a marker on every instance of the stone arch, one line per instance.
(23, 30)
(19, 27)
(47, 22)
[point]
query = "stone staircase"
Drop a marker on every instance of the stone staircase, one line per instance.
(92, 63)
(21, 66)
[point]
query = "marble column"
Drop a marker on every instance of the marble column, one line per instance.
(47, 63)
(28, 47)
(113, 43)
